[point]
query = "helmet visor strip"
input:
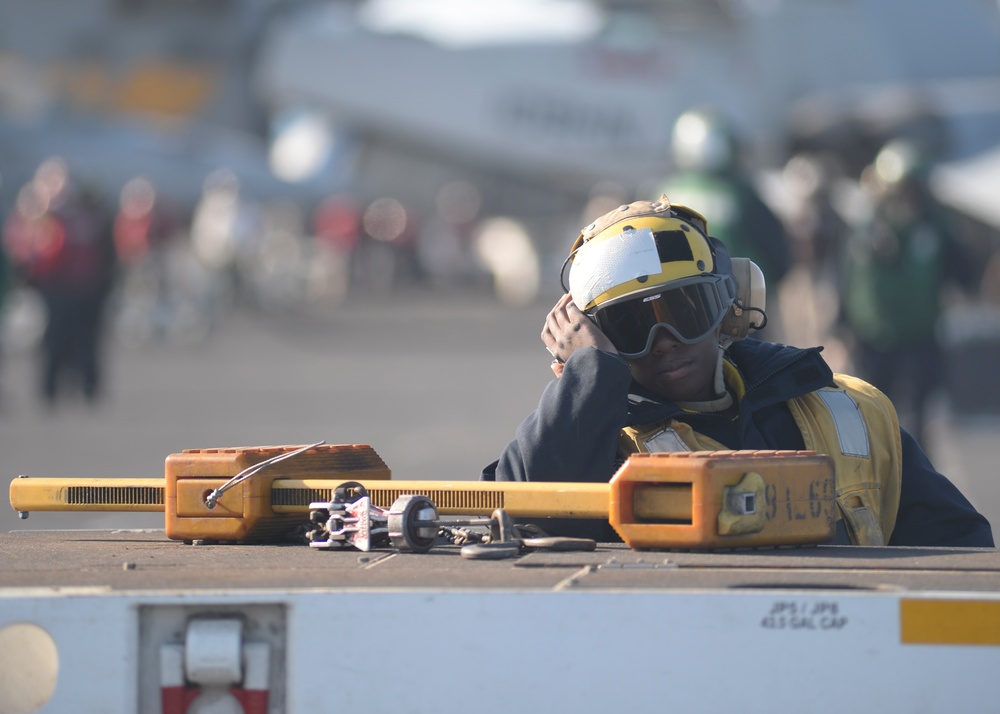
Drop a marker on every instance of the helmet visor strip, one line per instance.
(689, 309)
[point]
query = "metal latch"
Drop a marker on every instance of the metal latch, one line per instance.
(215, 670)
(743, 506)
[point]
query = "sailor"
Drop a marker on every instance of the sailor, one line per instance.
(708, 154)
(651, 352)
(899, 263)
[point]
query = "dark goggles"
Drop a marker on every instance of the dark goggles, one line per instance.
(689, 309)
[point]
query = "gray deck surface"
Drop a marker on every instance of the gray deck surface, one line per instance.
(147, 560)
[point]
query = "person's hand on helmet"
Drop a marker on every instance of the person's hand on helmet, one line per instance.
(567, 329)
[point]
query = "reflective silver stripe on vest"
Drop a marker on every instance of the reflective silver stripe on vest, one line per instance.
(665, 441)
(851, 429)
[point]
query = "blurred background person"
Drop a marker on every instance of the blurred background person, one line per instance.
(816, 229)
(143, 232)
(337, 228)
(896, 270)
(444, 243)
(226, 234)
(387, 257)
(60, 241)
(504, 247)
(810, 294)
(5, 287)
(709, 177)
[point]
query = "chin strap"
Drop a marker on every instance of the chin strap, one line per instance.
(720, 381)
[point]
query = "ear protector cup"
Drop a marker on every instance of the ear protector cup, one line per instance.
(747, 311)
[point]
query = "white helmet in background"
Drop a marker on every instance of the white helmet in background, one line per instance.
(702, 140)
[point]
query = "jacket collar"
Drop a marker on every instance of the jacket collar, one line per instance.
(760, 374)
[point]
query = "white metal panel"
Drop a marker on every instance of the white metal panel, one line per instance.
(430, 651)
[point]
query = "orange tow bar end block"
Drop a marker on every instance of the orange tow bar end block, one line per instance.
(244, 513)
(724, 499)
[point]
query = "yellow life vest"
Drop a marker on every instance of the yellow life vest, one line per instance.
(852, 422)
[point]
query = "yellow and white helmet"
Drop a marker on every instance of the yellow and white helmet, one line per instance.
(649, 265)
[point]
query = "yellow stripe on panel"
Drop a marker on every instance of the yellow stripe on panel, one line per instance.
(949, 622)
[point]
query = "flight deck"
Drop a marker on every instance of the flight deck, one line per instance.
(132, 621)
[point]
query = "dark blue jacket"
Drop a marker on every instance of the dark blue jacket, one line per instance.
(573, 436)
